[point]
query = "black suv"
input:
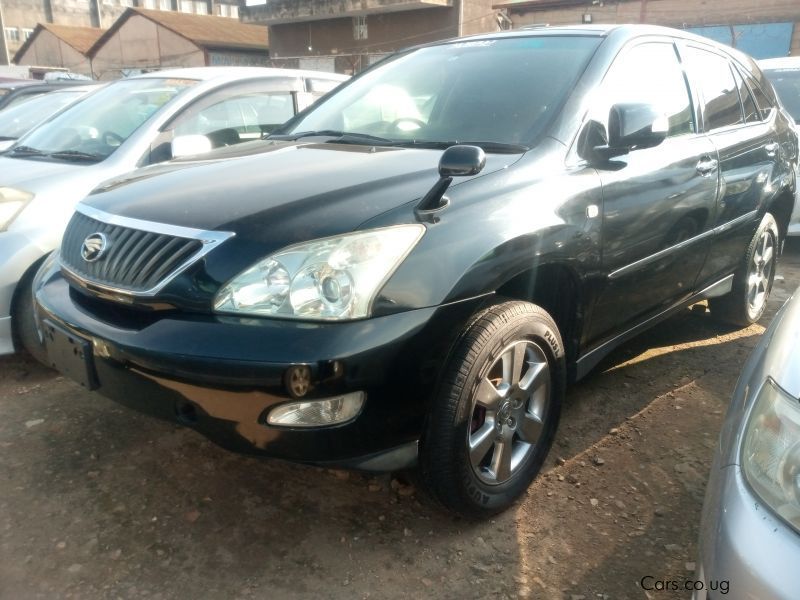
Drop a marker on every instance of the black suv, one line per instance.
(327, 296)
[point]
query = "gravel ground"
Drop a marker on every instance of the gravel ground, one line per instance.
(100, 502)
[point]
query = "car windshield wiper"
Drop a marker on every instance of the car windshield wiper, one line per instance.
(7, 138)
(26, 151)
(76, 155)
(495, 147)
(343, 137)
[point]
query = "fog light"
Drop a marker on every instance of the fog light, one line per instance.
(317, 413)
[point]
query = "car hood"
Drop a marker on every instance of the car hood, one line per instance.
(782, 360)
(35, 175)
(279, 191)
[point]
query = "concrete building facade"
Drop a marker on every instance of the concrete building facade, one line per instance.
(18, 18)
(348, 35)
(762, 28)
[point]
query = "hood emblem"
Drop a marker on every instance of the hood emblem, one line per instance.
(94, 247)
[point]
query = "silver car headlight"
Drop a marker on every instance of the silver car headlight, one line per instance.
(333, 278)
(12, 201)
(771, 451)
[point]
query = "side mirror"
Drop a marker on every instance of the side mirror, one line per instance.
(461, 161)
(189, 145)
(636, 126)
(456, 161)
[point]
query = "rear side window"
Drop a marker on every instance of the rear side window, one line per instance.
(751, 113)
(764, 105)
(713, 74)
(649, 74)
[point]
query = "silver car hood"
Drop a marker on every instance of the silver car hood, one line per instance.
(782, 358)
(35, 174)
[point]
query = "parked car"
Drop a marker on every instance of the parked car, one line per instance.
(784, 74)
(15, 91)
(17, 120)
(750, 532)
(128, 124)
(333, 299)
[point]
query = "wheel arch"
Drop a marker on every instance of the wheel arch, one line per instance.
(781, 207)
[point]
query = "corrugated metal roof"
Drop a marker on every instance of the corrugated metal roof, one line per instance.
(79, 38)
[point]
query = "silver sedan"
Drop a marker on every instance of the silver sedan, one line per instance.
(750, 532)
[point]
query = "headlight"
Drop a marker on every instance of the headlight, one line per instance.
(331, 279)
(771, 451)
(12, 202)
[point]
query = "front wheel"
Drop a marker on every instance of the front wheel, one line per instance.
(496, 412)
(752, 282)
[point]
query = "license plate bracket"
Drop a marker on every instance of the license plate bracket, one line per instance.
(71, 354)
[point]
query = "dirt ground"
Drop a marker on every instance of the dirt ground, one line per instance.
(100, 502)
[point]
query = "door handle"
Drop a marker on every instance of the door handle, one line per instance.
(772, 148)
(706, 166)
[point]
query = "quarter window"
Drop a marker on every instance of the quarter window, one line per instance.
(713, 74)
(648, 74)
(764, 105)
(751, 114)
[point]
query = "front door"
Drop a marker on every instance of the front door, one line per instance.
(657, 202)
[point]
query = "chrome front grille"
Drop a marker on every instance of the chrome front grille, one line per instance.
(139, 257)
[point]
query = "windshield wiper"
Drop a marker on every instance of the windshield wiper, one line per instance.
(26, 151)
(7, 138)
(76, 155)
(495, 147)
(342, 137)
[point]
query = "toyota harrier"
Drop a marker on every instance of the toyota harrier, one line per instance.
(329, 296)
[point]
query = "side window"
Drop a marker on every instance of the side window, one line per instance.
(239, 118)
(751, 114)
(713, 74)
(651, 74)
(764, 105)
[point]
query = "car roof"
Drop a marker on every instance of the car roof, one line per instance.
(786, 62)
(235, 73)
(624, 30)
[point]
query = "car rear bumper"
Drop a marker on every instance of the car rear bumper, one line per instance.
(744, 546)
(222, 375)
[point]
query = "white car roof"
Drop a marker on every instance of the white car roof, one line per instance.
(786, 62)
(209, 73)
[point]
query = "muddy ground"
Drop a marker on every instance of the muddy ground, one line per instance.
(100, 502)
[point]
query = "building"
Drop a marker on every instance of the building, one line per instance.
(143, 40)
(348, 35)
(18, 18)
(59, 46)
(764, 28)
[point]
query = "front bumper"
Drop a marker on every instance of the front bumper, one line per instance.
(743, 544)
(221, 375)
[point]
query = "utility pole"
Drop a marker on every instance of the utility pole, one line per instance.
(4, 60)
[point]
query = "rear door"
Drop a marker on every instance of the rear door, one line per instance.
(747, 145)
(657, 202)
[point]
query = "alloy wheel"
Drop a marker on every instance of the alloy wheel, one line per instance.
(508, 413)
(759, 274)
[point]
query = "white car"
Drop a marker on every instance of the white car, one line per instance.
(784, 74)
(128, 124)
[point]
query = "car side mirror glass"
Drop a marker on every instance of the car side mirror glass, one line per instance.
(461, 161)
(190, 145)
(634, 126)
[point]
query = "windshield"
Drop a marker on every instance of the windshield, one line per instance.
(501, 91)
(96, 127)
(787, 83)
(20, 118)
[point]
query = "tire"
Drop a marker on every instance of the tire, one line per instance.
(752, 282)
(23, 323)
(491, 423)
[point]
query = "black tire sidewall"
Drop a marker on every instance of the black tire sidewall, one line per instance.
(473, 496)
